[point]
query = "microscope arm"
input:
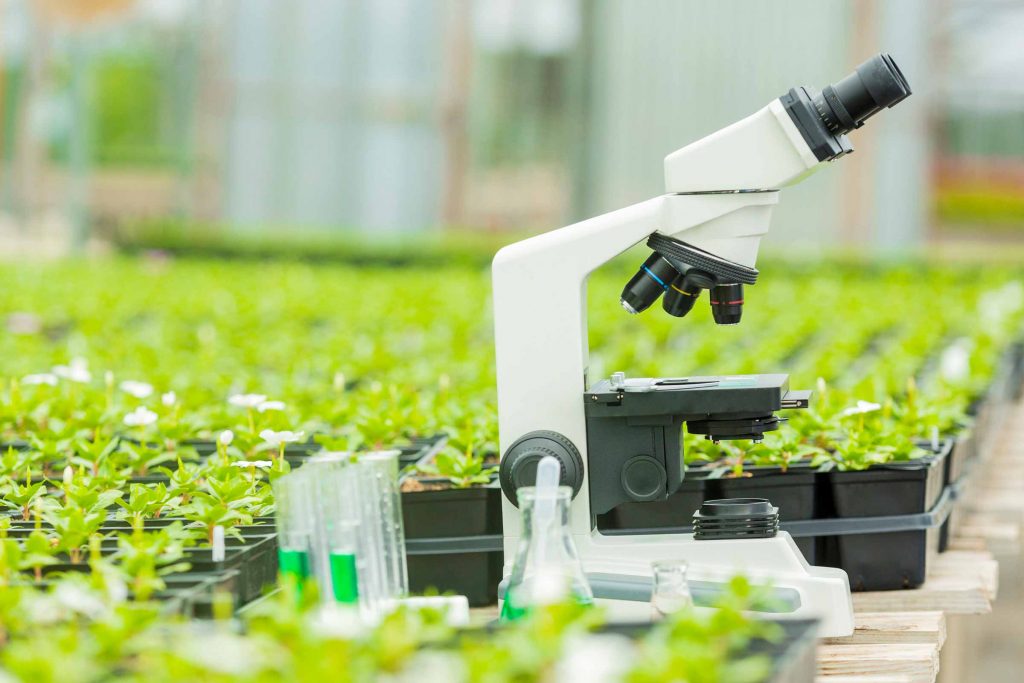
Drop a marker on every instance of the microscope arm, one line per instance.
(540, 305)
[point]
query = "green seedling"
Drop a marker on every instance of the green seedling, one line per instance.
(21, 497)
(461, 469)
(73, 527)
(145, 557)
(145, 502)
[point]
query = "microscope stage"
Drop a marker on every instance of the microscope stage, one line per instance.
(693, 396)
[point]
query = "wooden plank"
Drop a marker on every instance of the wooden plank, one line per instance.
(882, 678)
(916, 662)
(894, 628)
(1001, 537)
(959, 582)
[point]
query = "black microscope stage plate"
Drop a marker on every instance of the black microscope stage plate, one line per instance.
(720, 396)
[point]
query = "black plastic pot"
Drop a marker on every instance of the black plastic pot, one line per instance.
(453, 541)
(674, 513)
(883, 561)
(792, 491)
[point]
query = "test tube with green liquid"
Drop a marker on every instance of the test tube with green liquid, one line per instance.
(294, 516)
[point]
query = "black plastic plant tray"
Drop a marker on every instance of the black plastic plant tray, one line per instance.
(453, 541)
(254, 562)
(793, 656)
(883, 561)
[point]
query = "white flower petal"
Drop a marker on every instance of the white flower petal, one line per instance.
(262, 464)
(169, 399)
(137, 389)
(226, 437)
(40, 378)
(278, 438)
(140, 417)
(76, 371)
(270, 405)
(246, 400)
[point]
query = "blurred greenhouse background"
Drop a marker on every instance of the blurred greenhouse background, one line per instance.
(245, 118)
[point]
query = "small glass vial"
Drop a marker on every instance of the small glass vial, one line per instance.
(671, 591)
(546, 568)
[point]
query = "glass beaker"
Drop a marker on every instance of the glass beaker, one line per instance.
(547, 568)
(671, 591)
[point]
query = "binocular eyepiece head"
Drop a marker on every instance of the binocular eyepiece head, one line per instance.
(658, 277)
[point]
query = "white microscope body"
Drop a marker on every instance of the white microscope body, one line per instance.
(720, 192)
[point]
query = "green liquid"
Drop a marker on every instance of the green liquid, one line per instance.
(511, 610)
(293, 564)
(344, 580)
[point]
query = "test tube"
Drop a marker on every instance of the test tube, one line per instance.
(348, 547)
(294, 515)
(382, 508)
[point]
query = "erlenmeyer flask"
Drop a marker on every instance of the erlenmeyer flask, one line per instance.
(546, 568)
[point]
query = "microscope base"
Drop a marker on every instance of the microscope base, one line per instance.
(619, 569)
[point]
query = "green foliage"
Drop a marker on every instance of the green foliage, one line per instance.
(461, 469)
(367, 358)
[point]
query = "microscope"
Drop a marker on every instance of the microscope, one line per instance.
(618, 439)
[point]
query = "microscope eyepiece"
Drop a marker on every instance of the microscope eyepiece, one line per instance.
(727, 303)
(650, 282)
(874, 85)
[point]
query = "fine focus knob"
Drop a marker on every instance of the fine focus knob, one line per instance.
(519, 464)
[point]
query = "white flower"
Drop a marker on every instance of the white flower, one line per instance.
(226, 437)
(24, 323)
(68, 476)
(596, 658)
(861, 408)
(278, 438)
(262, 464)
(334, 621)
(221, 652)
(40, 378)
(137, 389)
(76, 371)
(246, 400)
(169, 399)
(270, 405)
(75, 598)
(955, 361)
(140, 417)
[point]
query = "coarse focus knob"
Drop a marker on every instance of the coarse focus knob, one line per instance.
(519, 464)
